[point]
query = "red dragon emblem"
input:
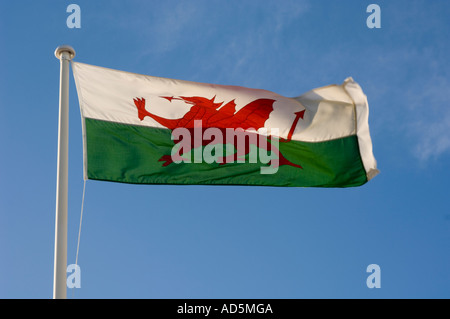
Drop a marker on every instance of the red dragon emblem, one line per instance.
(216, 115)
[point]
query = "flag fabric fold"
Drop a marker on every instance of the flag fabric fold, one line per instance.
(150, 130)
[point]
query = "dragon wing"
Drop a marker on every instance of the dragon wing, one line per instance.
(222, 116)
(253, 115)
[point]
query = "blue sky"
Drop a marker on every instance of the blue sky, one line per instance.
(232, 242)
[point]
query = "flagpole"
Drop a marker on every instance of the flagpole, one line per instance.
(64, 53)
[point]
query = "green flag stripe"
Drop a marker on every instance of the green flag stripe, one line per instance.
(129, 154)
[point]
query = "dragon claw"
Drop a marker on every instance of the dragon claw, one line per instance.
(167, 159)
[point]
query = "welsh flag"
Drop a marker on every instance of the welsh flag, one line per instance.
(150, 130)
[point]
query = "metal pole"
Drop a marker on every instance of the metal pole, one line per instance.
(64, 53)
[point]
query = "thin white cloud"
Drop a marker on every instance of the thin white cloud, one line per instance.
(248, 43)
(284, 12)
(171, 25)
(435, 138)
(430, 104)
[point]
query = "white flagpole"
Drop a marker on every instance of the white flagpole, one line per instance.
(64, 53)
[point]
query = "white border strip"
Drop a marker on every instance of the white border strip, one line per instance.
(362, 126)
(83, 128)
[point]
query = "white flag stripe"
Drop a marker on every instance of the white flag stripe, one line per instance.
(107, 94)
